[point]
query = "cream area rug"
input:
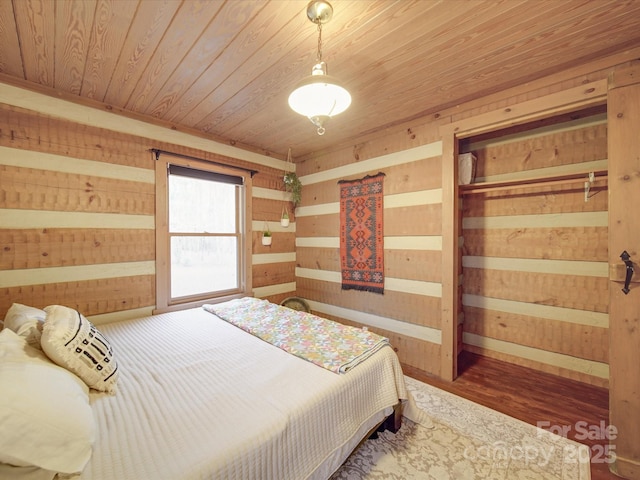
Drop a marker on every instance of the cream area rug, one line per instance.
(467, 442)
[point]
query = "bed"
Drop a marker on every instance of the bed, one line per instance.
(200, 397)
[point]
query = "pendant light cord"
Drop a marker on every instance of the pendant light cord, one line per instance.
(319, 56)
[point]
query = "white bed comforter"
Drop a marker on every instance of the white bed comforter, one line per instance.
(199, 398)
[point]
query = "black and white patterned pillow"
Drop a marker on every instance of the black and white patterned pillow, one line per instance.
(73, 342)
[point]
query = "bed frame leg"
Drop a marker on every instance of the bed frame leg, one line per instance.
(394, 421)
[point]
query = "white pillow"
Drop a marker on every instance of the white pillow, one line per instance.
(73, 342)
(45, 417)
(26, 322)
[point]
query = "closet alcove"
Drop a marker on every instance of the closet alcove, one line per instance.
(619, 94)
(533, 246)
(517, 162)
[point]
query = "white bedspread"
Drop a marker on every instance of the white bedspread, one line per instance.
(199, 398)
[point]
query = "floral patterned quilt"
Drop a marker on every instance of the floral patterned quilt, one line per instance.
(326, 343)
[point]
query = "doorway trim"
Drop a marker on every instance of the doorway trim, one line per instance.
(566, 101)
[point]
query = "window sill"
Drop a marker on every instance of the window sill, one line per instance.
(198, 303)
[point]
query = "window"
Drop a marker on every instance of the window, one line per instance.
(201, 232)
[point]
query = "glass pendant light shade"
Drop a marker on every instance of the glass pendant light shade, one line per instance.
(319, 97)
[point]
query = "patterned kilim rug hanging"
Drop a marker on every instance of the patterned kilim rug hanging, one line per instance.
(362, 234)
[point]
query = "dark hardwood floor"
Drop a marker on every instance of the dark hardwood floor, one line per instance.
(580, 410)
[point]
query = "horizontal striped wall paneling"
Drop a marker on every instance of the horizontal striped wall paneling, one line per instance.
(408, 220)
(73, 120)
(76, 232)
(55, 247)
(535, 269)
(416, 265)
(576, 339)
(416, 346)
(412, 308)
(33, 132)
(48, 162)
(579, 141)
(40, 189)
(276, 293)
(552, 243)
(77, 209)
(409, 310)
(594, 373)
(567, 290)
(547, 200)
(273, 273)
(415, 183)
(270, 210)
(91, 297)
(350, 170)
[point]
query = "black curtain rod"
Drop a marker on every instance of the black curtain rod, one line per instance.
(189, 157)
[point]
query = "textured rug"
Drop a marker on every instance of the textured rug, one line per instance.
(468, 442)
(362, 233)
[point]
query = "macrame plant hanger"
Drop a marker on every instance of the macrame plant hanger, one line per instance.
(284, 218)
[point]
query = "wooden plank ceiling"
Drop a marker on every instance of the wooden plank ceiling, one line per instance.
(226, 68)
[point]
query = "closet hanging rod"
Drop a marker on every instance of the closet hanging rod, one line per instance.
(577, 177)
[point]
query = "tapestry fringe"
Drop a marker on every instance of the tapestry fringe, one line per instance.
(363, 288)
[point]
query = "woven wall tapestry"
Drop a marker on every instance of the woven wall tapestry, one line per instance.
(362, 234)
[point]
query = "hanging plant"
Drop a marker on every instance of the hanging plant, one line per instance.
(292, 184)
(266, 234)
(284, 219)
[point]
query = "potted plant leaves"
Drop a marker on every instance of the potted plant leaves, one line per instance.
(284, 219)
(292, 184)
(266, 235)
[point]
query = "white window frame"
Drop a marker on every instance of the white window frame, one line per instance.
(164, 303)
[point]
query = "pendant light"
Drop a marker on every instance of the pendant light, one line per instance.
(319, 96)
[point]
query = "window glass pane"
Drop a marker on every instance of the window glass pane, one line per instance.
(203, 264)
(197, 206)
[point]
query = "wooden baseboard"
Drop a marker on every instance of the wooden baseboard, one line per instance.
(626, 468)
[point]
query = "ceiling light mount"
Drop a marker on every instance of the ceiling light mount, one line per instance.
(319, 96)
(319, 11)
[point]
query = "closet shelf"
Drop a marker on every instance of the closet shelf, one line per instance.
(577, 177)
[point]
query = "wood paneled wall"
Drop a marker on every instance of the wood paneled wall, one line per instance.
(77, 221)
(412, 239)
(535, 270)
(77, 215)
(565, 232)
